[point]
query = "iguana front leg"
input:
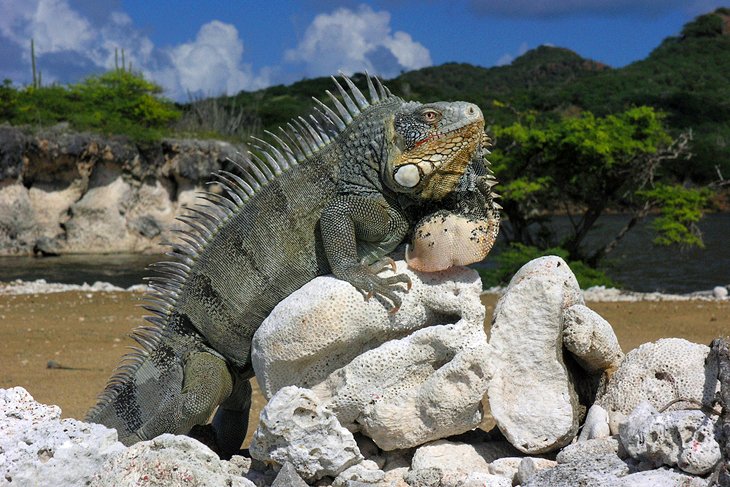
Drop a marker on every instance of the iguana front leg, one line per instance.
(357, 233)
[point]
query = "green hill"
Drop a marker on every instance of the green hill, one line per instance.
(687, 76)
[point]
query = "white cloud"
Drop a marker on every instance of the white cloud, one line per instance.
(211, 64)
(69, 45)
(357, 40)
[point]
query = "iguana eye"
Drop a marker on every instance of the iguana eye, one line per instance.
(431, 116)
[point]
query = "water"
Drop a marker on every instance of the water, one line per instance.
(636, 264)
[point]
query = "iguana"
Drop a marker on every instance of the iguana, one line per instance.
(333, 193)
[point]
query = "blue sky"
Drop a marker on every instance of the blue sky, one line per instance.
(219, 47)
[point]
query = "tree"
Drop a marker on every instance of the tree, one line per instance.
(583, 165)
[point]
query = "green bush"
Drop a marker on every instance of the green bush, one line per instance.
(516, 255)
(117, 102)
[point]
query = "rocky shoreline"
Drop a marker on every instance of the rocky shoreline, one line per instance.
(65, 192)
(594, 294)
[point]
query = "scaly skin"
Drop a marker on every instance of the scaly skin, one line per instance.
(335, 200)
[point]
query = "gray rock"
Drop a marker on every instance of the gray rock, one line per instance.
(294, 427)
(683, 438)
(38, 448)
(12, 146)
(532, 396)
(169, 460)
(591, 471)
(576, 452)
(668, 370)
(662, 477)
(288, 477)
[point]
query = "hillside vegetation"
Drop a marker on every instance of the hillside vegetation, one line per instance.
(571, 135)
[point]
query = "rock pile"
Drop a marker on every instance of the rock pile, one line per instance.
(360, 397)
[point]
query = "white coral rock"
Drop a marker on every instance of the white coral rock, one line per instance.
(294, 427)
(327, 323)
(532, 396)
(170, 460)
(683, 438)
(39, 448)
(402, 379)
(668, 370)
(591, 339)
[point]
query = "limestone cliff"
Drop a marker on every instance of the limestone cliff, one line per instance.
(68, 192)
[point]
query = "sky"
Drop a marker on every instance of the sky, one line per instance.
(222, 47)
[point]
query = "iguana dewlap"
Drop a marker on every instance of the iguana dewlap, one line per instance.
(333, 193)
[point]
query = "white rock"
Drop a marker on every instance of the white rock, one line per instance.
(406, 392)
(460, 464)
(449, 456)
(591, 339)
(365, 472)
(477, 479)
(170, 460)
(529, 466)
(595, 425)
(532, 396)
(285, 351)
(667, 370)
(401, 392)
(720, 292)
(506, 467)
(294, 427)
(37, 448)
(684, 438)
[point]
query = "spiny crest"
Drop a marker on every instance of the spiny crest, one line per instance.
(301, 138)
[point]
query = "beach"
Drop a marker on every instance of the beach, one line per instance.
(63, 346)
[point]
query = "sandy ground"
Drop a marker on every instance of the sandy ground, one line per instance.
(86, 334)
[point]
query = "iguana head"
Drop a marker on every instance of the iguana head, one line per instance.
(430, 146)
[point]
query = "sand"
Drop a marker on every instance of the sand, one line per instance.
(85, 333)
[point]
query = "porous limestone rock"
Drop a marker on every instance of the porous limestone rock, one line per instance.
(171, 460)
(294, 427)
(449, 456)
(683, 438)
(591, 339)
(595, 424)
(365, 472)
(601, 470)
(529, 466)
(661, 372)
(662, 477)
(402, 379)
(577, 451)
(285, 351)
(406, 392)
(532, 396)
(459, 464)
(39, 448)
(505, 467)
